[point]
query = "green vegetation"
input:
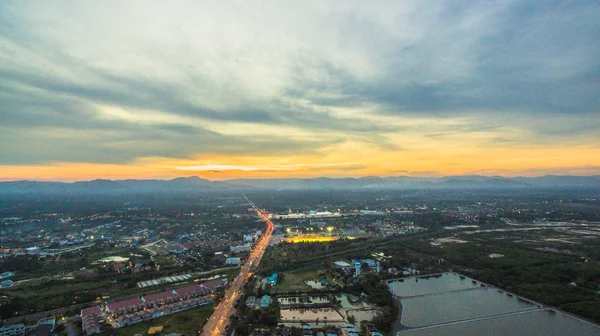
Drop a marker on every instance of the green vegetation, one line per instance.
(378, 294)
(248, 319)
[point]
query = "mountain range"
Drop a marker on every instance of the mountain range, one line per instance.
(196, 184)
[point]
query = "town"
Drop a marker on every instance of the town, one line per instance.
(153, 269)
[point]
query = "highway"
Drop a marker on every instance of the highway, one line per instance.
(219, 320)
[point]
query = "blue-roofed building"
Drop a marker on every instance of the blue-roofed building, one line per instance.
(272, 279)
(6, 284)
(6, 275)
(250, 301)
(233, 261)
(265, 301)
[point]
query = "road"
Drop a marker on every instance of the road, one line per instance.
(219, 320)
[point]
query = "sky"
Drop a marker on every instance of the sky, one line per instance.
(261, 89)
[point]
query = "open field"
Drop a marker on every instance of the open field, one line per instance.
(345, 302)
(364, 314)
(294, 281)
(307, 315)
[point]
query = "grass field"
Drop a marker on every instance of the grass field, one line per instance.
(294, 281)
(186, 323)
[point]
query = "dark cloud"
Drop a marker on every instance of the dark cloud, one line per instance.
(529, 56)
(25, 146)
(140, 93)
(59, 123)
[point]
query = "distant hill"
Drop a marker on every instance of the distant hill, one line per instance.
(181, 184)
(407, 182)
(196, 184)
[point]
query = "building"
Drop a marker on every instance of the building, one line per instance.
(357, 269)
(354, 231)
(409, 271)
(6, 275)
(90, 320)
(321, 214)
(125, 305)
(13, 330)
(404, 212)
(370, 262)
(272, 279)
(241, 248)
(265, 301)
(33, 250)
(342, 265)
(191, 292)
(251, 301)
(213, 285)
(248, 238)
(232, 261)
(6, 284)
(160, 298)
(331, 331)
(160, 304)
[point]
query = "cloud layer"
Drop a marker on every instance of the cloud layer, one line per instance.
(421, 85)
